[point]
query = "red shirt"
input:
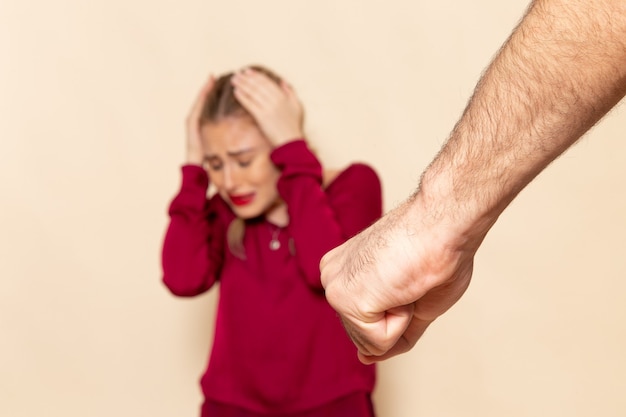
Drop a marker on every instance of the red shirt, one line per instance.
(278, 345)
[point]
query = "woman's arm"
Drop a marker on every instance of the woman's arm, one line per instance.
(320, 219)
(193, 249)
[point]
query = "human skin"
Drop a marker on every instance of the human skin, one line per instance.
(561, 70)
(275, 108)
(237, 159)
(235, 150)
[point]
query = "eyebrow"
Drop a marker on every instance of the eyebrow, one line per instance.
(240, 152)
(231, 153)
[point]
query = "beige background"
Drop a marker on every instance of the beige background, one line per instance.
(92, 100)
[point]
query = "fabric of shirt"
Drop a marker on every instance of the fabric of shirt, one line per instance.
(358, 404)
(278, 346)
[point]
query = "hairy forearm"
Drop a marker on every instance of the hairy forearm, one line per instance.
(562, 69)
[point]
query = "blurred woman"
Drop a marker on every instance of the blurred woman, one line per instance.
(279, 348)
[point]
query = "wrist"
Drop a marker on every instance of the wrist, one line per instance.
(461, 220)
(194, 158)
(286, 137)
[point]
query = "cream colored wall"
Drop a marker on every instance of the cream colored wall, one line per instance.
(93, 97)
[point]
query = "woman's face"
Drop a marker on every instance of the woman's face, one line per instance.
(237, 158)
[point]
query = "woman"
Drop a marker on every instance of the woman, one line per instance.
(279, 348)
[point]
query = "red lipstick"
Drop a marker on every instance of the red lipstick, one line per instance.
(241, 200)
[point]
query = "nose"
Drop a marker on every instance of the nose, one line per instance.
(230, 178)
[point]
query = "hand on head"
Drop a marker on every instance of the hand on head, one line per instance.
(272, 104)
(195, 155)
(276, 108)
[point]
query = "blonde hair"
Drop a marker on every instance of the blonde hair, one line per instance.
(234, 237)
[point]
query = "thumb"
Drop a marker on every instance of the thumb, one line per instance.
(383, 332)
(397, 320)
(289, 91)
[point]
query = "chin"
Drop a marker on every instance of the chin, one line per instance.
(246, 212)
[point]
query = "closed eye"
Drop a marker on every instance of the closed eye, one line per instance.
(245, 163)
(213, 163)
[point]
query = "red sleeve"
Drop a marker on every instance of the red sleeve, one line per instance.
(319, 219)
(356, 198)
(193, 248)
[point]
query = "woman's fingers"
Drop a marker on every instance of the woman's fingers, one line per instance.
(293, 99)
(196, 108)
(256, 90)
(194, 146)
(276, 110)
(289, 91)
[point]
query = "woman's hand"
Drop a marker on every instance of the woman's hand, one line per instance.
(195, 154)
(276, 108)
